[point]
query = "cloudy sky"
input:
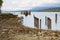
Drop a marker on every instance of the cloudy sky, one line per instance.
(26, 4)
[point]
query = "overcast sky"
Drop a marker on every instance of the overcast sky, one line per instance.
(26, 4)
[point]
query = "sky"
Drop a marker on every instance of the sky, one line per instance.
(26, 4)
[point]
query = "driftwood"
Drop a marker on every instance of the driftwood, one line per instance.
(36, 22)
(55, 18)
(48, 22)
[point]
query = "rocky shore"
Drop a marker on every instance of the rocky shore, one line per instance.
(12, 29)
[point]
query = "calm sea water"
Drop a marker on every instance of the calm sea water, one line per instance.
(29, 20)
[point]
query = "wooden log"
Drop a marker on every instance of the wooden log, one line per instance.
(40, 23)
(45, 20)
(55, 18)
(49, 23)
(36, 22)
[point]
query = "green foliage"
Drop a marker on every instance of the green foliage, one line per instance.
(52, 10)
(1, 3)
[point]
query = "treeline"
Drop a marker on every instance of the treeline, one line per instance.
(51, 10)
(1, 1)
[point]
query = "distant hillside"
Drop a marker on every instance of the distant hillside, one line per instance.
(50, 10)
(39, 9)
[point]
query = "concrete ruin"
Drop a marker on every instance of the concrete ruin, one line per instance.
(26, 13)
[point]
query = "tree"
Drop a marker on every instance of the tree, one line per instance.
(1, 1)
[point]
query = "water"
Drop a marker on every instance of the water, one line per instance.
(29, 20)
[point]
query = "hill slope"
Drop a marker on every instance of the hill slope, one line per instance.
(51, 10)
